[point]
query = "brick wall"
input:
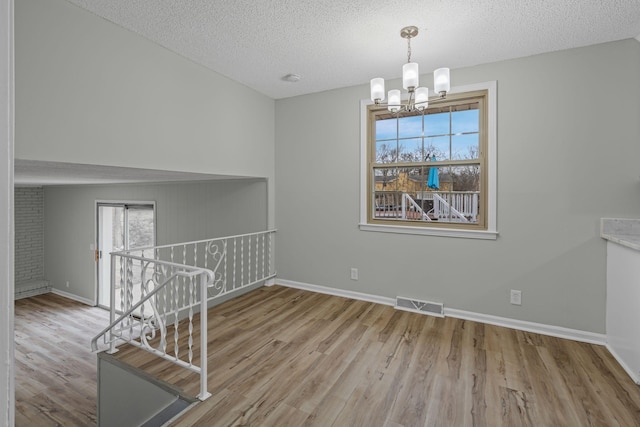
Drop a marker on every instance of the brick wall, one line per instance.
(29, 235)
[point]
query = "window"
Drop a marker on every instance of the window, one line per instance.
(431, 172)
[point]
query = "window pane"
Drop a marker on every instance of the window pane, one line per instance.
(464, 147)
(386, 129)
(466, 121)
(465, 178)
(410, 150)
(386, 200)
(410, 126)
(439, 146)
(386, 152)
(385, 179)
(452, 207)
(457, 199)
(436, 124)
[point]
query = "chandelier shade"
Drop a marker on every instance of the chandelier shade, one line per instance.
(441, 81)
(418, 98)
(377, 89)
(394, 102)
(422, 98)
(410, 75)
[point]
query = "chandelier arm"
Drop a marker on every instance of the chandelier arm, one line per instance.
(410, 103)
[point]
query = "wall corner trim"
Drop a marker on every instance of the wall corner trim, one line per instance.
(634, 375)
(521, 325)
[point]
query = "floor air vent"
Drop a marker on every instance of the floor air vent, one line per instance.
(417, 306)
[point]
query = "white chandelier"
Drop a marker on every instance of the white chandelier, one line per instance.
(418, 96)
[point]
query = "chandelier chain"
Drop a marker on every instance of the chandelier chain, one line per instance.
(408, 49)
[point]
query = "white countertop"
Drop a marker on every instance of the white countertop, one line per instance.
(624, 231)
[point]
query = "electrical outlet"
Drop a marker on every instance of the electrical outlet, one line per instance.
(516, 297)
(354, 274)
(67, 283)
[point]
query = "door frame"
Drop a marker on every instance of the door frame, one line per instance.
(96, 227)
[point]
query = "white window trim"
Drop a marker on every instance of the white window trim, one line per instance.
(491, 233)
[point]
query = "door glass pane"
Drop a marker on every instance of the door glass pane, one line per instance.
(121, 228)
(140, 223)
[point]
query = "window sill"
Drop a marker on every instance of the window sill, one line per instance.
(423, 231)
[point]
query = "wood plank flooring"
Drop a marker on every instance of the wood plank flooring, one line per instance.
(285, 357)
(55, 371)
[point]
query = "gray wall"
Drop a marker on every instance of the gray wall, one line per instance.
(568, 150)
(88, 91)
(184, 212)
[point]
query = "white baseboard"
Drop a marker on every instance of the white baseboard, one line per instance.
(634, 376)
(539, 328)
(73, 297)
(336, 292)
(522, 325)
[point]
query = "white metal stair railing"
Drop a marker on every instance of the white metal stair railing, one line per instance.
(237, 261)
(168, 289)
(160, 290)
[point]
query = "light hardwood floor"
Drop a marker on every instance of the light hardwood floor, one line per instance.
(55, 371)
(285, 357)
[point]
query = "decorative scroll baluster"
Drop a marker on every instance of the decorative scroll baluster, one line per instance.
(241, 260)
(263, 256)
(195, 255)
(123, 282)
(175, 319)
(112, 298)
(143, 289)
(269, 259)
(206, 255)
(224, 276)
(129, 293)
(234, 262)
(248, 258)
(162, 322)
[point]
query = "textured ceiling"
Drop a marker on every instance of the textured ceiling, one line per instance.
(337, 43)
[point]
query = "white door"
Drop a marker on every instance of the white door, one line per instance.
(121, 226)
